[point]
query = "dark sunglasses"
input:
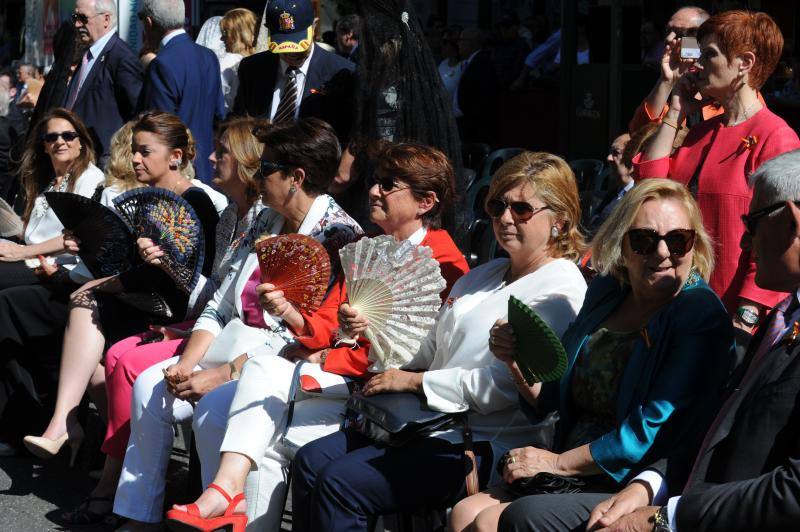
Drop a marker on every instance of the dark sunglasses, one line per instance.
(645, 241)
(520, 210)
(386, 184)
(83, 19)
(68, 136)
(750, 221)
(269, 167)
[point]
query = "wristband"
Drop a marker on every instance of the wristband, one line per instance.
(748, 316)
(673, 125)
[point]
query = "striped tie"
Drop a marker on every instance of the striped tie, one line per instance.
(288, 103)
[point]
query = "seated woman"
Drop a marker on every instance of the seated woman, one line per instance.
(235, 163)
(340, 480)
(59, 156)
(162, 145)
(648, 358)
(411, 183)
(297, 163)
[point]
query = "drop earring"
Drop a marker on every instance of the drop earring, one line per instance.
(173, 164)
(292, 189)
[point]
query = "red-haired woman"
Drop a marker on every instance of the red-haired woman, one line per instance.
(739, 50)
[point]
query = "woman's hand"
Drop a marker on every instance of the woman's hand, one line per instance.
(272, 300)
(45, 270)
(12, 252)
(350, 321)
(201, 382)
(393, 380)
(176, 374)
(634, 496)
(502, 342)
(673, 66)
(170, 333)
(298, 351)
(528, 462)
(71, 242)
(149, 251)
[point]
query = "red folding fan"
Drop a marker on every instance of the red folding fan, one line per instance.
(298, 265)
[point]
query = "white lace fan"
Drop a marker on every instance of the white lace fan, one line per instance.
(396, 286)
(10, 223)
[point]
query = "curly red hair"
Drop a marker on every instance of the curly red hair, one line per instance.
(747, 31)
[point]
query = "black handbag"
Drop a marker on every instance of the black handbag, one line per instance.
(541, 483)
(395, 418)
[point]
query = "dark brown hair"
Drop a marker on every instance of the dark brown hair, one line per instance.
(171, 130)
(424, 169)
(310, 144)
(36, 169)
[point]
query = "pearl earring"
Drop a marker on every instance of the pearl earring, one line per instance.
(173, 163)
(553, 232)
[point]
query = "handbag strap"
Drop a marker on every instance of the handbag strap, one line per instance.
(471, 463)
(292, 398)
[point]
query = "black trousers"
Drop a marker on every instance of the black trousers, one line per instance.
(546, 513)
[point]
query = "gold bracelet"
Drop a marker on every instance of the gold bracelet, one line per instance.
(673, 125)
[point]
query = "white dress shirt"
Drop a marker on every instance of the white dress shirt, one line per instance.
(280, 84)
(168, 37)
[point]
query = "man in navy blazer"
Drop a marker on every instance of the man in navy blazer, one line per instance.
(183, 79)
(105, 88)
(324, 82)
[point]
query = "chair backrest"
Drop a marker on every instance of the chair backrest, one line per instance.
(477, 192)
(587, 172)
(473, 155)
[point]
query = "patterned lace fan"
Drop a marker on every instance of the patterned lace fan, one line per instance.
(540, 355)
(396, 286)
(10, 222)
(107, 246)
(298, 265)
(171, 223)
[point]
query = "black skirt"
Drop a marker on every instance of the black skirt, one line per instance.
(16, 274)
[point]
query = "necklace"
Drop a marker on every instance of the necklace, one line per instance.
(746, 114)
(41, 206)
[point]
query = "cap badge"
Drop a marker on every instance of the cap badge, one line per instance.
(286, 22)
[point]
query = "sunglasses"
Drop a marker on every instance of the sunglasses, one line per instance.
(750, 221)
(521, 211)
(386, 184)
(83, 19)
(68, 136)
(269, 167)
(645, 241)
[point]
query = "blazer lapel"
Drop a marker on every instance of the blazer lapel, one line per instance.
(99, 64)
(313, 78)
(264, 85)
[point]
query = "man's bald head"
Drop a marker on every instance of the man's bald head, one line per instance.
(686, 20)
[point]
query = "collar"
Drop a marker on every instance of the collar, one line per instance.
(314, 214)
(97, 48)
(304, 67)
(628, 186)
(470, 58)
(169, 36)
(418, 236)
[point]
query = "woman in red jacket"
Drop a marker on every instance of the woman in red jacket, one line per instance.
(411, 182)
(739, 50)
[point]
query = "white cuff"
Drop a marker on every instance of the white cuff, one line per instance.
(672, 506)
(657, 485)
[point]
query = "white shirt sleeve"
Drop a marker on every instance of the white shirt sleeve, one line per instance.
(657, 483)
(672, 507)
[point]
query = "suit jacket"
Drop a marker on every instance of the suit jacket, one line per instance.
(748, 478)
(184, 79)
(671, 386)
(328, 92)
(107, 99)
(478, 100)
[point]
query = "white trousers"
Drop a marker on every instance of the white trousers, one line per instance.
(249, 419)
(154, 412)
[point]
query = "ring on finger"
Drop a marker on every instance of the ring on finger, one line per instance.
(512, 460)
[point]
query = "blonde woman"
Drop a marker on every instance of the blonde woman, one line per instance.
(238, 28)
(648, 357)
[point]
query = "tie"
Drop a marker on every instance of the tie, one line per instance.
(288, 103)
(772, 336)
(80, 75)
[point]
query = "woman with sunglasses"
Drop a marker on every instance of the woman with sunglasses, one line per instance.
(247, 321)
(59, 156)
(340, 480)
(739, 51)
(411, 182)
(648, 357)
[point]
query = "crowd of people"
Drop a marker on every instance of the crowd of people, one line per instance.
(676, 300)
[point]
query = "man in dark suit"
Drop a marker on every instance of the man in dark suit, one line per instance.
(183, 79)
(348, 29)
(476, 104)
(746, 476)
(105, 88)
(294, 78)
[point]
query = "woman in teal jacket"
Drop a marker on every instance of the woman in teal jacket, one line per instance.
(649, 354)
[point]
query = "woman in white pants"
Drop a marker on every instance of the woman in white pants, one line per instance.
(246, 422)
(298, 162)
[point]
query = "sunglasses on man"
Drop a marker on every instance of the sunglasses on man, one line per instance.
(750, 221)
(645, 241)
(83, 19)
(521, 211)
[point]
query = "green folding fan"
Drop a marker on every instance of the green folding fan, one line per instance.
(540, 355)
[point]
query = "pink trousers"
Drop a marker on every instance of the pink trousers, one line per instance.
(125, 360)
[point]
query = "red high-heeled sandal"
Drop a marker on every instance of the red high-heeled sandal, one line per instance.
(184, 521)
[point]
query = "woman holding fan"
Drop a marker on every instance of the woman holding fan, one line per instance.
(59, 156)
(535, 210)
(162, 147)
(245, 321)
(412, 181)
(648, 358)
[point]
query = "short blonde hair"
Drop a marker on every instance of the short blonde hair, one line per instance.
(554, 183)
(239, 25)
(119, 168)
(246, 149)
(607, 244)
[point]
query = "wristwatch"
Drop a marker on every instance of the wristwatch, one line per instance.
(748, 316)
(661, 519)
(234, 371)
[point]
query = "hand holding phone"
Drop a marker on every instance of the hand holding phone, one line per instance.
(689, 48)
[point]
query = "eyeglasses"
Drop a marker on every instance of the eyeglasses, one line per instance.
(521, 211)
(270, 167)
(84, 19)
(750, 221)
(645, 241)
(386, 184)
(68, 136)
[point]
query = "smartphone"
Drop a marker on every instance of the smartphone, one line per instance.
(689, 48)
